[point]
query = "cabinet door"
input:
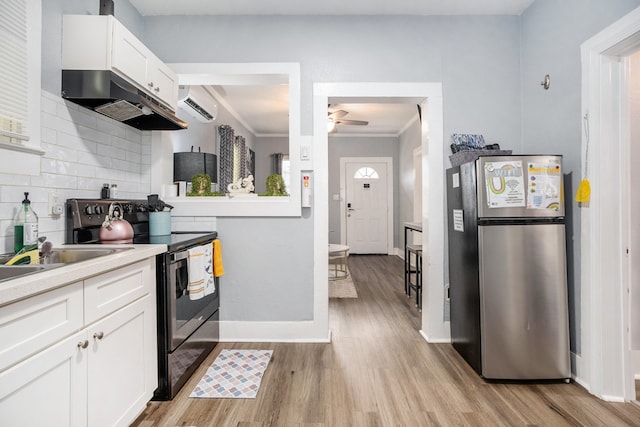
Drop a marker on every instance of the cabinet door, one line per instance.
(122, 367)
(129, 56)
(48, 389)
(165, 83)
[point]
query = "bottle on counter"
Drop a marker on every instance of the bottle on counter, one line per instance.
(114, 191)
(25, 226)
(105, 193)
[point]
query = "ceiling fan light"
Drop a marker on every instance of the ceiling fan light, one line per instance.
(331, 125)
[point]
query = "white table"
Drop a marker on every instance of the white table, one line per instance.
(338, 261)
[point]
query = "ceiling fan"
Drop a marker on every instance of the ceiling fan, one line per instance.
(335, 118)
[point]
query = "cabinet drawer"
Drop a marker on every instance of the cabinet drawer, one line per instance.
(110, 291)
(30, 325)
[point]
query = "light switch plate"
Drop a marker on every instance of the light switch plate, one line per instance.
(305, 152)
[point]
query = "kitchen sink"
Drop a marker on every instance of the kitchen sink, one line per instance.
(71, 255)
(58, 257)
(8, 272)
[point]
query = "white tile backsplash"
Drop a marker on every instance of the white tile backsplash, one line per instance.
(83, 150)
(187, 223)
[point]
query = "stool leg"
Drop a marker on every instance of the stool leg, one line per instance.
(409, 276)
(419, 281)
(406, 270)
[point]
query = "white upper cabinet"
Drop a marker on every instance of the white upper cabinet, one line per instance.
(100, 42)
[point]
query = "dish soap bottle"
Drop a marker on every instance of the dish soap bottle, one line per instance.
(25, 226)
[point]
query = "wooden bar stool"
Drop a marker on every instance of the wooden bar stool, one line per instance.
(415, 272)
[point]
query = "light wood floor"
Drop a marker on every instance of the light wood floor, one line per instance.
(379, 371)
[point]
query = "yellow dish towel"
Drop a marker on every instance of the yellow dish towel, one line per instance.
(218, 268)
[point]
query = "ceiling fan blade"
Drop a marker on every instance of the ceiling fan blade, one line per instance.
(337, 114)
(352, 122)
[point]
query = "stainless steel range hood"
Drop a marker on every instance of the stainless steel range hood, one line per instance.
(109, 94)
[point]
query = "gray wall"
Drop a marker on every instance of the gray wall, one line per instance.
(266, 277)
(552, 32)
(358, 147)
(490, 68)
(476, 58)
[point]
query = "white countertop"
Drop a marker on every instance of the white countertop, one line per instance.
(48, 279)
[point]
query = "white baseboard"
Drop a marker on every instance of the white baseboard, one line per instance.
(614, 399)
(435, 341)
(577, 371)
(305, 331)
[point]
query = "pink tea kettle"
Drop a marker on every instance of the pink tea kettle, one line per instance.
(116, 229)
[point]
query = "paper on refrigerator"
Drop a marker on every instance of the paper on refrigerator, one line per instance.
(544, 185)
(505, 184)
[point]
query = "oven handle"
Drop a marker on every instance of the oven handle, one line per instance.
(178, 256)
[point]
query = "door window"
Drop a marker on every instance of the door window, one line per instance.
(366, 173)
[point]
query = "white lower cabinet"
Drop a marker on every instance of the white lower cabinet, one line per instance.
(122, 369)
(48, 389)
(101, 375)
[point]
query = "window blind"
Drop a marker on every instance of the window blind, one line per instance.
(14, 71)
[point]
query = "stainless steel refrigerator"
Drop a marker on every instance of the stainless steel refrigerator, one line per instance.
(507, 267)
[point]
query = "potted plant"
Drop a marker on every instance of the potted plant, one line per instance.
(275, 186)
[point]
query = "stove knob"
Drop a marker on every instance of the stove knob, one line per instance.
(99, 210)
(88, 210)
(127, 208)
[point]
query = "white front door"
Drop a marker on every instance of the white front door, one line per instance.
(366, 207)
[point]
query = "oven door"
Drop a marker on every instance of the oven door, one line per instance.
(185, 315)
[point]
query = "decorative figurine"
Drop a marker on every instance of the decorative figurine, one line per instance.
(243, 187)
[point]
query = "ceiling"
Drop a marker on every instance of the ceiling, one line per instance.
(265, 111)
(331, 7)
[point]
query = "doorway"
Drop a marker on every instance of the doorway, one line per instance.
(429, 95)
(609, 229)
(367, 207)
